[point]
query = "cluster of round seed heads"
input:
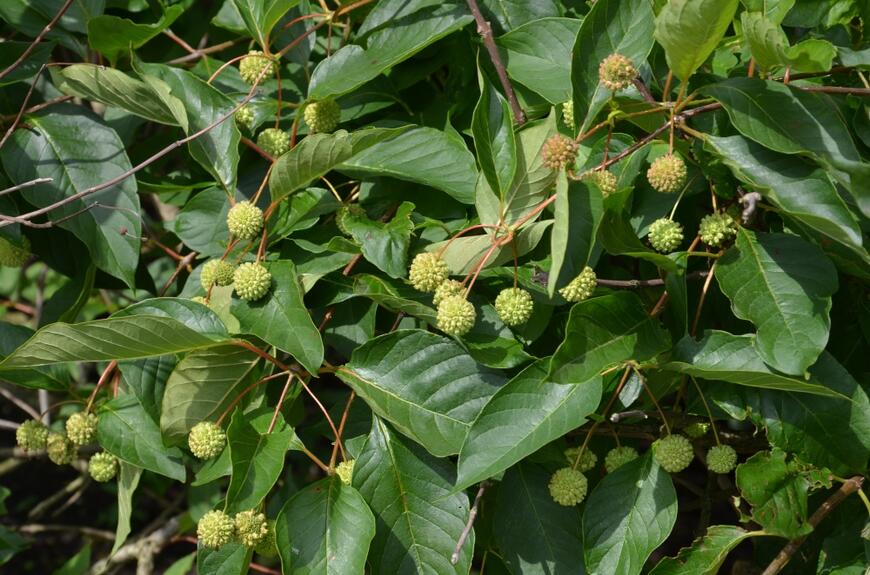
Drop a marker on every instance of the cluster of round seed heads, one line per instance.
(588, 459)
(103, 466)
(251, 527)
(322, 116)
(445, 289)
(665, 235)
(716, 229)
(428, 271)
(215, 529)
(345, 213)
(697, 429)
(604, 179)
(344, 470)
(721, 459)
(619, 456)
(568, 487)
(60, 450)
(206, 440)
(252, 281)
(245, 220)
(674, 453)
(616, 72)
(456, 315)
(216, 272)
(81, 427)
(245, 117)
(559, 152)
(514, 306)
(13, 256)
(274, 141)
(667, 174)
(31, 435)
(568, 113)
(581, 287)
(253, 64)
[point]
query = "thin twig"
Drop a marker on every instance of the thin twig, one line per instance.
(23, 405)
(472, 515)
(36, 40)
(28, 184)
(645, 283)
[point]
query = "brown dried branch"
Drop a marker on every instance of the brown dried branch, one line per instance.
(36, 40)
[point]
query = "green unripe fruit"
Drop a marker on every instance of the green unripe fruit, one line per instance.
(252, 281)
(81, 427)
(245, 220)
(274, 141)
(667, 174)
(216, 272)
(60, 450)
(103, 466)
(253, 64)
(697, 429)
(604, 179)
(568, 487)
(559, 152)
(619, 456)
(251, 527)
(674, 453)
(245, 117)
(568, 114)
(13, 256)
(716, 229)
(345, 213)
(266, 547)
(581, 287)
(446, 289)
(31, 435)
(588, 459)
(344, 470)
(721, 459)
(514, 306)
(665, 235)
(322, 116)
(616, 72)
(206, 440)
(215, 529)
(427, 272)
(456, 315)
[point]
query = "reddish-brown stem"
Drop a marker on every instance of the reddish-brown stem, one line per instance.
(206, 51)
(244, 392)
(341, 423)
(473, 275)
(604, 413)
(180, 41)
(250, 143)
(6, 71)
(104, 377)
(261, 569)
(300, 19)
(537, 210)
(704, 291)
(462, 233)
(225, 65)
(305, 35)
(23, 106)
(280, 403)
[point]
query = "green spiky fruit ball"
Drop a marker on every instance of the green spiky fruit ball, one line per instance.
(616, 72)
(215, 529)
(60, 450)
(604, 179)
(103, 466)
(716, 229)
(667, 174)
(665, 235)
(31, 435)
(216, 272)
(674, 453)
(588, 459)
(245, 220)
(445, 289)
(568, 114)
(344, 470)
(253, 64)
(721, 459)
(251, 527)
(619, 456)
(252, 281)
(206, 440)
(346, 212)
(322, 116)
(559, 152)
(13, 256)
(245, 117)
(81, 427)
(581, 287)
(274, 141)
(427, 272)
(514, 306)
(456, 315)
(568, 487)
(697, 429)
(266, 547)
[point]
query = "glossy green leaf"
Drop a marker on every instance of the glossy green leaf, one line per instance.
(689, 31)
(396, 297)
(146, 379)
(578, 211)
(194, 224)
(706, 554)
(231, 559)
(112, 36)
(494, 140)
(191, 314)
(384, 244)
(128, 480)
(53, 378)
(464, 253)
(510, 14)
(618, 238)
(260, 16)
(11, 50)
(770, 46)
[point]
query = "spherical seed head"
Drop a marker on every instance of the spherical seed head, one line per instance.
(215, 529)
(456, 315)
(206, 440)
(665, 235)
(251, 527)
(514, 306)
(251, 65)
(559, 152)
(266, 547)
(619, 456)
(616, 72)
(697, 429)
(81, 427)
(103, 466)
(346, 212)
(245, 220)
(588, 459)
(674, 453)
(568, 113)
(667, 174)
(604, 179)
(60, 450)
(274, 141)
(716, 229)
(252, 281)
(31, 435)
(568, 487)
(721, 459)
(344, 470)
(427, 272)
(581, 287)
(13, 256)
(245, 117)
(322, 116)
(445, 289)
(216, 272)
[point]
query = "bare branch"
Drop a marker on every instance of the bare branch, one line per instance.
(37, 40)
(23, 185)
(472, 515)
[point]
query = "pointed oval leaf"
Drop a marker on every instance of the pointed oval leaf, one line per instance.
(706, 554)
(689, 31)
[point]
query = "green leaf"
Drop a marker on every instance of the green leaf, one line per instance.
(50, 378)
(325, 529)
(77, 564)
(194, 224)
(770, 46)
(260, 16)
(605, 331)
(689, 31)
(146, 379)
(536, 535)
(464, 253)
(231, 559)
(111, 35)
(535, 56)
(494, 140)
(578, 211)
(128, 480)
(202, 386)
(257, 461)
(425, 384)
(523, 416)
(783, 285)
(281, 318)
(52, 148)
(384, 244)
(611, 27)
(706, 554)
(628, 514)
(396, 297)
(127, 431)
(418, 518)
(421, 155)
(735, 359)
(618, 238)
(193, 315)
(10, 51)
